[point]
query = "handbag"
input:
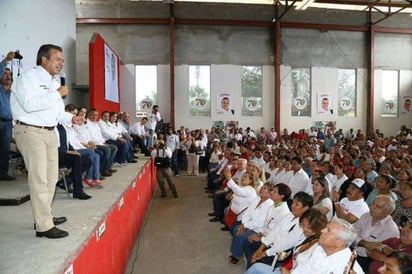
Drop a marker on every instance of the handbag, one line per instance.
(231, 217)
(163, 162)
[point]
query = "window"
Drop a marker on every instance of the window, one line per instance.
(199, 90)
(146, 89)
(347, 92)
(389, 93)
(301, 91)
(252, 91)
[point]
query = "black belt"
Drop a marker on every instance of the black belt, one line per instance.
(5, 120)
(42, 127)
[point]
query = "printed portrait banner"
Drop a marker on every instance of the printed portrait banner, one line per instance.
(225, 103)
(111, 75)
(406, 105)
(325, 103)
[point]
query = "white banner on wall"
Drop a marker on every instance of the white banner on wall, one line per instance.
(111, 75)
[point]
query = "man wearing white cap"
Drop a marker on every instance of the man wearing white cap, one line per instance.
(353, 206)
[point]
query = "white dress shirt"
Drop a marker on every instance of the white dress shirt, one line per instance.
(378, 232)
(286, 235)
(254, 216)
(242, 197)
(275, 216)
(321, 263)
(299, 181)
(82, 133)
(152, 120)
(72, 138)
(138, 129)
(95, 133)
(172, 141)
(109, 131)
(36, 101)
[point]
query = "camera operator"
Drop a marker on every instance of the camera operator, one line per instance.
(162, 155)
(6, 120)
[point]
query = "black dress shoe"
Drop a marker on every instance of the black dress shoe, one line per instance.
(81, 196)
(7, 178)
(53, 233)
(132, 161)
(215, 219)
(225, 228)
(175, 195)
(56, 221)
(59, 220)
(211, 214)
(163, 195)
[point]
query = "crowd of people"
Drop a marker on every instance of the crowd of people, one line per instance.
(306, 203)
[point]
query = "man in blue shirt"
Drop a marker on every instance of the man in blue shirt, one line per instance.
(6, 124)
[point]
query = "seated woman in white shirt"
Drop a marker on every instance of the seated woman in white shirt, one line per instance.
(243, 194)
(312, 222)
(121, 131)
(321, 198)
(253, 221)
(276, 176)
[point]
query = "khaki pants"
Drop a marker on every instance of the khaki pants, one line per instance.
(39, 149)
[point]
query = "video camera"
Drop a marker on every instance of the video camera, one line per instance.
(17, 55)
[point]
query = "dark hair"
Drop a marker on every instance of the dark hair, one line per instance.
(317, 220)
(297, 159)
(389, 180)
(404, 261)
(284, 190)
(80, 108)
(113, 113)
(44, 51)
(70, 107)
(304, 198)
(104, 112)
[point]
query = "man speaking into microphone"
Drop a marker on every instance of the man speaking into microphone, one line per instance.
(37, 107)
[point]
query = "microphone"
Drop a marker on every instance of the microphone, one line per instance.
(62, 79)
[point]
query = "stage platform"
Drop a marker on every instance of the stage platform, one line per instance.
(102, 230)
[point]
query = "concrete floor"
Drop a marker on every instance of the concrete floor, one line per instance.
(177, 236)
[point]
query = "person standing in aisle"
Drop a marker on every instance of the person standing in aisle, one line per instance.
(162, 156)
(152, 120)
